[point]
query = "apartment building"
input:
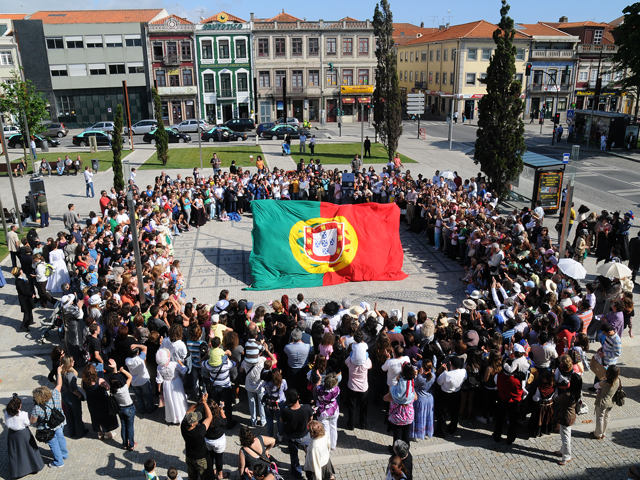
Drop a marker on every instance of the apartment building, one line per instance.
(223, 46)
(171, 54)
(9, 60)
(79, 60)
(327, 68)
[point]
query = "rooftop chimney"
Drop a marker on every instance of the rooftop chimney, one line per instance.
(441, 27)
(563, 19)
(251, 16)
(421, 24)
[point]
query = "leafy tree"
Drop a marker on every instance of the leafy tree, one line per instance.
(627, 58)
(500, 135)
(387, 114)
(19, 98)
(161, 136)
(116, 148)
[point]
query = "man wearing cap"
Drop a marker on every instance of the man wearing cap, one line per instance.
(26, 296)
(193, 429)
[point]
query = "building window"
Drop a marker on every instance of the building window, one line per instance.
(486, 54)
(518, 78)
(445, 56)
(347, 76)
(281, 50)
(437, 55)
(423, 56)
(437, 78)
(78, 70)
(132, 41)
(583, 76)
(296, 47)
(405, 75)
(451, 78)
(331, 46)
(472, 54)
(483, 77)
(406, 56)
(66, 106)
(116, 69)
(263, 47)
(6, 58)
(97, 69)
(562, 104)
(363, 76)
(411, 76)
(470, 79)
(58, 70)
(431, 55)
(93, 41)
(113, 40)
(223, 50)
(54, 43)
(617, 76)
(444, 76)
(243, 82)
(606, 78)
(430, 77)
(264, 79)
(157, 51)
(186, 50)
(174, 79)
(520, 54)
(207, 80)
(296, 79)
(538, 75)
(566, 77)
(135, 67)
(314, 78)
(597, 37)
(347, 46)
(241, 48)
(552, 76)
(207, 49)
(161, 79)
(363, 46)
(74, 42)
(280, 77)
(314, 47)
(187, 77)
(411, 57)
(332, 77)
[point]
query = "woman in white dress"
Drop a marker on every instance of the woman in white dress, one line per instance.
(60, 274)
(175, 400)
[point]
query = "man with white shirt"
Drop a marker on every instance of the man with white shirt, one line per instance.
(88, 180)
(122, 218)
(436, 177)
(539, 211)
(393, 366)
(450, 382)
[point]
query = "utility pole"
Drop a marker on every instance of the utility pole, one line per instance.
(575, 153)
(255, 105)
(555, 81)
(126, 106)
(136, 246)
(596, 98)
(3, 141)
(453, 96)
(362, 129)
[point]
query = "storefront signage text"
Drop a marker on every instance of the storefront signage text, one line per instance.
(222, 26)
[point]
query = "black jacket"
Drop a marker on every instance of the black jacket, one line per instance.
(25, 294)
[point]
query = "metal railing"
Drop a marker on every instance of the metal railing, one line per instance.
(592, 48)
(553, 53)
(171, 60)
(226, 93)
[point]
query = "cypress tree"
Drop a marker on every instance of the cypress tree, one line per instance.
(116, 148)
(161, 136)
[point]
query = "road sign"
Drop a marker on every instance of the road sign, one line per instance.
(569, 121)
(570, 113)
(565, 157)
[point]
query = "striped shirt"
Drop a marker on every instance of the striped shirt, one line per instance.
(194, 348)
(252, 350)
(220, 375)
(585, 317)
(612, 348)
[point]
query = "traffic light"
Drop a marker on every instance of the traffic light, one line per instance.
(566, 70)
(331, 67)
(556, 119)
(528, 70)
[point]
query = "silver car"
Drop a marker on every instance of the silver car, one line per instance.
(191, 126)
(101, 127)
(141, 127)
(10, 130)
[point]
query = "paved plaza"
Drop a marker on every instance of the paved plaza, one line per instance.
(216, 256)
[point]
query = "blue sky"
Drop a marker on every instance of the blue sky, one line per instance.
(410, 11)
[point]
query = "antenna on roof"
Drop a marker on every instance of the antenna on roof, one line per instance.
(433, 19)
(177, 9)
(200, 13)
(449, 17)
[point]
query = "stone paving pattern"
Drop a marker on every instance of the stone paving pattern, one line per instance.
(215, 257)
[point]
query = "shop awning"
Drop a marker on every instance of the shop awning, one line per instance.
(346, 100)
(364, 99)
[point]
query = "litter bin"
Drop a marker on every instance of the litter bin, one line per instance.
(44, 146)
(95, 164)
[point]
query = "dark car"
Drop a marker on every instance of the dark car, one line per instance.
(278, 132)
(55, 130)
(240, 124)
(82, 139)
(174, 137)
(264, 126)
(228, 135)
(15, 141)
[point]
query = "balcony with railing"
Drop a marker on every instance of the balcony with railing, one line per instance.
(320, 25)
(226, 93)
(422, 85)
(597, 49)
(565, 88)
(553, 53)
(171, 59)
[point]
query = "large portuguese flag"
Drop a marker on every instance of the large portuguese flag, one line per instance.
(300, 244)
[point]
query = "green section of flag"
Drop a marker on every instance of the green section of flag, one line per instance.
(273, 265)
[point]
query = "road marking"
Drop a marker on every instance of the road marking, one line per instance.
(630, 194)
(628, 190)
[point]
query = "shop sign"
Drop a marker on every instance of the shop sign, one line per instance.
(222, 26)
(356, 89)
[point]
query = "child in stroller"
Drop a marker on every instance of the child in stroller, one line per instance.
(286, 149)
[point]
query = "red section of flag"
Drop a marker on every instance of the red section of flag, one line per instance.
(379, 256)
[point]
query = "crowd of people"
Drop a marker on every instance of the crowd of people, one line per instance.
(516, 348)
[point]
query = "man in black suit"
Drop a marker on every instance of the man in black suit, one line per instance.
(26, 296)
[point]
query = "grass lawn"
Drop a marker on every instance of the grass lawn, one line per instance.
(343, 153)
(105, 157)
(190, 157)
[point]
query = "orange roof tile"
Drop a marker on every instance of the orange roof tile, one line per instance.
(349, 19)
(162, 21)
(281, 17)
(96, 16)
(13, 16)
(478, 29)
(230, 18)
(405, 32)
(587, 23)
(540, 29)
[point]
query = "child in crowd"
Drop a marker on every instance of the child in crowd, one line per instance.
(216, 355)
(149, 470)
(326, 324)
(403, 392)
(172, 474)
(542, 418)
(326, 347)
(359, 354)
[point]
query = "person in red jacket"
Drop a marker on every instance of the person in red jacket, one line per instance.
(509, 397)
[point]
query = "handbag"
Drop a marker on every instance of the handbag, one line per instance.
(272, 465)
(620, 395)
(54, 420)
(113, 406)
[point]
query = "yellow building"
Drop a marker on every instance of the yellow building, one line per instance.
(449, 64)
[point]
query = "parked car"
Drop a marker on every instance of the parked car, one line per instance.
(15, 141)
(240, 124)
(191, 126)
(264, 126)
(228, 135)
(10, 130)
(174, 137)
(141, 127)
(278, 132)
(82, 139)
(55, 130)
(290, 121)
(101, 127)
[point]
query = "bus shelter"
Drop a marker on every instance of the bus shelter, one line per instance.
(541, 179)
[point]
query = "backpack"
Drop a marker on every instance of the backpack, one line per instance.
(48, 269)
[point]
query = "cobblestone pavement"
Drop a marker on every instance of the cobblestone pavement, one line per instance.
(215, 257)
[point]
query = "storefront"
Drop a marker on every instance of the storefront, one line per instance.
(354, 100)
(610, 100)
(613, 125)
